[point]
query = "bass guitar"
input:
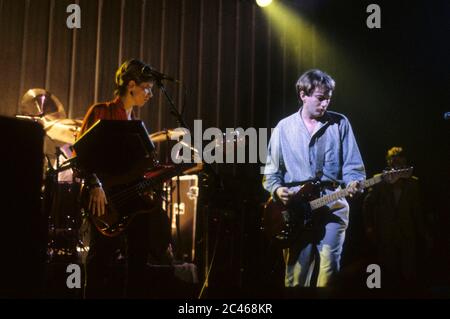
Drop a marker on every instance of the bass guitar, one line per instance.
(127, 199)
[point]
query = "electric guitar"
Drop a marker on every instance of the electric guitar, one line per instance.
(286, 222)
(127, 199)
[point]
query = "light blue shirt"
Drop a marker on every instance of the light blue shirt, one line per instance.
(292, 152)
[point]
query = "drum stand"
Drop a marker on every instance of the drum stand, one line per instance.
(61, 208)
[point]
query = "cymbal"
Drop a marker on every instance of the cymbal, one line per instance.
(40, 103)
(63, 131)
(170, 134)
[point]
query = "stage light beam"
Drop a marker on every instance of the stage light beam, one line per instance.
(263, 3)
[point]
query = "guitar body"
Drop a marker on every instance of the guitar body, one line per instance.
(286, 222)
(126, 199)
(121, 208)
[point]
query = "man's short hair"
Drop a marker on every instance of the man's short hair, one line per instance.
(396, 156)
(131, 70)
(312, 79)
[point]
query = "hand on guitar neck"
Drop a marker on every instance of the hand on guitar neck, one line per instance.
(354, 188)
(284, 194)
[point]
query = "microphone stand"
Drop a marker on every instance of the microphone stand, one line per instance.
(179, 118)
(182, 123)
(173, 110)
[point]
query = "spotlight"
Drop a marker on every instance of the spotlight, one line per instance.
(263, 3)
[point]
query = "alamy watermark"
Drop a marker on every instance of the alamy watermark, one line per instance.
(374, 279)
(232, 146)
(73, 21)
(74, 279)
(373, 21)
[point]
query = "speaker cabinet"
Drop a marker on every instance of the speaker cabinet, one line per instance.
(186, 210)
(23, 237)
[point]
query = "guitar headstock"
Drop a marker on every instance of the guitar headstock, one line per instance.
(393, 175)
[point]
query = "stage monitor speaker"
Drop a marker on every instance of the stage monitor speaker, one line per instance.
(187, 212)
(23, 237)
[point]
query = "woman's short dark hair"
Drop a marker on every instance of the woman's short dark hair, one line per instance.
(131, 70)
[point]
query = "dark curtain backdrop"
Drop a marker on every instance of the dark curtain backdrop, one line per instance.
(240, 69)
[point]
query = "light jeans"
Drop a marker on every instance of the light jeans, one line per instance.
(314, 259)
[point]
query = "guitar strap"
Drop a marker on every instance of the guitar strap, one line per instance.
(320, 152)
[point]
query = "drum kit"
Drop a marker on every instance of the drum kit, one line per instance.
(61, 187)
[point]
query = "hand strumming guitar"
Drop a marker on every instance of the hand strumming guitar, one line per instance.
(284, 194)
(97, 201)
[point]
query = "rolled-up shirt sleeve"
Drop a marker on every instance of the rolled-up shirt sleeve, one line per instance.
(274, 169)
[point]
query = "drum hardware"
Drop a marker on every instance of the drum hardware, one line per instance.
(61, 189)
(61, 204)
(166, 135)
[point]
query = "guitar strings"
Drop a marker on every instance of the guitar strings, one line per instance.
(127, 193)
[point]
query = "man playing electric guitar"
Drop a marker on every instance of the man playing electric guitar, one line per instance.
(314, 144)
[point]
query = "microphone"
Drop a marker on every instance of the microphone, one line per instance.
(161, 76)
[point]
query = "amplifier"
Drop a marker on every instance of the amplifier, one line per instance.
(186, 210)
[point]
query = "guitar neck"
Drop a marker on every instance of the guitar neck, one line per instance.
(150, 180)
(325, 200)
(158, 178)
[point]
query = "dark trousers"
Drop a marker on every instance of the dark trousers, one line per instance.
(116, 267)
